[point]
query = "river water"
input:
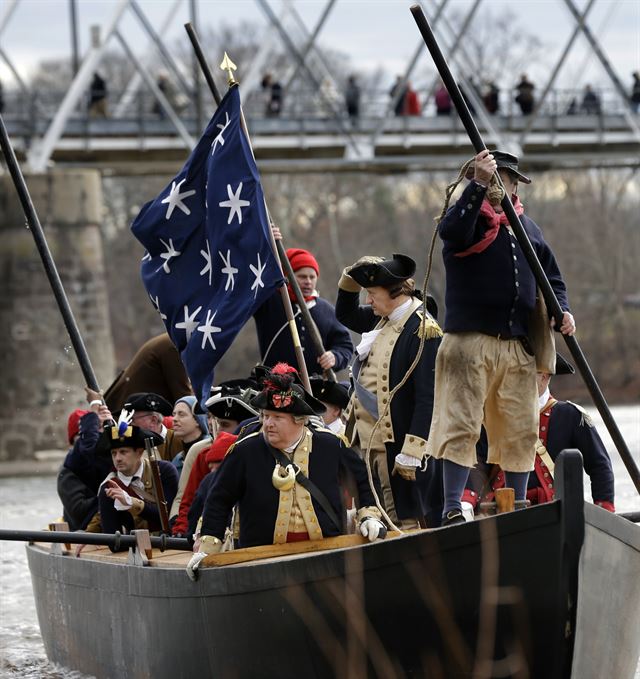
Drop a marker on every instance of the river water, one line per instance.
(31, 503)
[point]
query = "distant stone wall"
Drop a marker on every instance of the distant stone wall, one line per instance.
(41, 381)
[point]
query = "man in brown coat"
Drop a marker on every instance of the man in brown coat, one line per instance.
(155, 368)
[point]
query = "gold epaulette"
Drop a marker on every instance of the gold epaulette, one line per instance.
(586, 418)
(325, 430)
(428, 328)
(240, 440)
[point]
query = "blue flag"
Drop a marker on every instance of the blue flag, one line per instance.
(209, 263)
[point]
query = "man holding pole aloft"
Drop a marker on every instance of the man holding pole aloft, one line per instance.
(485, 369)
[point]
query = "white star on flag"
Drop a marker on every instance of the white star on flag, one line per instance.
(146, 257)
(171, 252)
(189, 324)
(207, 258)
(229, 270)
(258, 271)
(175, 199)
(219, 138)
(208, 329)
(156, 304)
(235, 204)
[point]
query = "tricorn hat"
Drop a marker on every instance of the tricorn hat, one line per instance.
(281, 392)
(231, 401)
(328, 391)
(126, 435)
(563, 367)
(505, 161)
(384, 273)
(148, 402)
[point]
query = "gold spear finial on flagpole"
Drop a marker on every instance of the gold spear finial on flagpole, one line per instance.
(228, 66)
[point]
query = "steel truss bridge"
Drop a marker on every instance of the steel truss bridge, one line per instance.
(313, 133)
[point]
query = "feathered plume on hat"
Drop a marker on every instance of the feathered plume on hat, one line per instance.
(124, 423)
(280, 392)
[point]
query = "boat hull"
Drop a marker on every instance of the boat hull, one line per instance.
(427, 604)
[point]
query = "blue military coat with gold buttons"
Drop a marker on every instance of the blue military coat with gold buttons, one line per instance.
(492, 292)
(244, 478)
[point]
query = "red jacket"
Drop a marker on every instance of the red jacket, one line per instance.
(544, 490)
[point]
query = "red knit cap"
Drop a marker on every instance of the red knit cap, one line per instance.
(218, 449)
(73, 424)
(300, 258)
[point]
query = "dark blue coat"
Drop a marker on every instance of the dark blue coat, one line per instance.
(79, 502)
(492, 292)
(113, 520)
(85, 459)
(271, 320)
(569, 427)
(411, 407)
(244, 478)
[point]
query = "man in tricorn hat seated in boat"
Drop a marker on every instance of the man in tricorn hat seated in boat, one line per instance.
(149, 411)
(126, 499)
(563, 425)
(393, 324)
(284, 478)
(486, 370)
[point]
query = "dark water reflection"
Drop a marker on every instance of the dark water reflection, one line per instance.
(31, 503)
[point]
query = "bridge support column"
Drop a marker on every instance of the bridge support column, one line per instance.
(41, 380)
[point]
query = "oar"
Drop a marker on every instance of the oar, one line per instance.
(282, 255)
(47, 260)
(527, 248)
(115, 540)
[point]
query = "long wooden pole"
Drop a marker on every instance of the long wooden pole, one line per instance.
(277, 245)
(115, 540)
(529, 253)
(47, 260)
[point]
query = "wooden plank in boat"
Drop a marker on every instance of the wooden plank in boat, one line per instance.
(287, 549)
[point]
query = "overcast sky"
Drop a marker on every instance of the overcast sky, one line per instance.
(374, 33)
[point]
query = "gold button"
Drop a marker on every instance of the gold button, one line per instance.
(384, 400)
(388, 424)
(411, 439)
(384, 365)
(385, 377)
(384, 389)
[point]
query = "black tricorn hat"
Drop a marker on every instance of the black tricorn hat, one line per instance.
(281, 392)
(124, 435)
(148, 402)
(328, 391)
(505, 161)
(563, 367)
(384, 273)
(230, 402)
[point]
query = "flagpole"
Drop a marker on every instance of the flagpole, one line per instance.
(47, 260)
(527, 249)
(277, 246)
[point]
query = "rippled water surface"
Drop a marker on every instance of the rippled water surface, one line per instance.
(30, 503)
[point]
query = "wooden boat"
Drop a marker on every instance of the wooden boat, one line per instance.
(551, 591)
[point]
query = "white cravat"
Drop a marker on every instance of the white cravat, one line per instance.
(542, 400)
(368, 338)
(135, 481)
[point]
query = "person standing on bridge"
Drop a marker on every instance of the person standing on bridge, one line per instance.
(485, 368)
(635, 92)
(98, 97)
(525, 98)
